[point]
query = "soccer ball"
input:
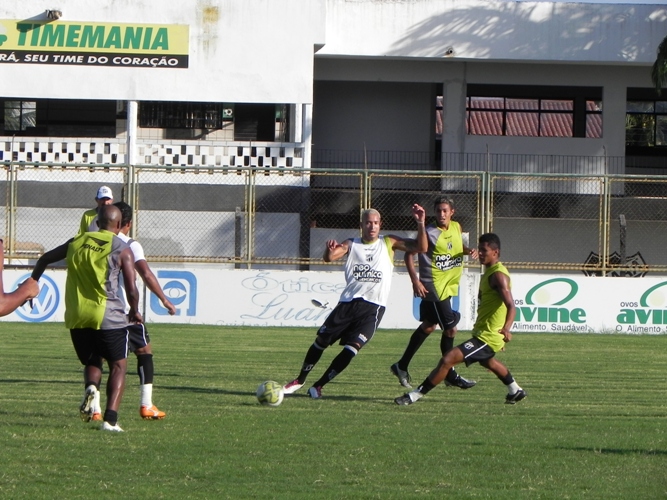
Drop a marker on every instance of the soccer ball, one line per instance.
(270, 393)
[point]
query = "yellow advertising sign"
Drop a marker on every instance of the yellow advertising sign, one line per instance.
(94, 44)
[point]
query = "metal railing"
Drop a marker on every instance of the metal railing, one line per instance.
(269, 217)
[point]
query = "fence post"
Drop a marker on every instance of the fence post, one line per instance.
(486, 202)
(131, 196)
(622, 237)
(251, 206)
(11, 212)
(606, 207)
(238, 236)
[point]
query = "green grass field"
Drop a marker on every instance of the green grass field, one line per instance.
(594, 424)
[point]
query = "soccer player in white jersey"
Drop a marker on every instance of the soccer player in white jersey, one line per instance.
(138, 334)
(368, 272)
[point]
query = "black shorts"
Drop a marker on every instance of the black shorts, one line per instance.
(89, 344)
(352, 322)
(475, 351)
(439, 313)
(138, 336)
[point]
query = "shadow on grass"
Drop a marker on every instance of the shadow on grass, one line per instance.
(215, 390)
(42, 381)
(614, 451)
(204, 390)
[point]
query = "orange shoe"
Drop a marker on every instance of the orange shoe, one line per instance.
(151, 413)
(96, 417)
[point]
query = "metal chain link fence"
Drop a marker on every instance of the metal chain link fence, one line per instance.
(263, 217)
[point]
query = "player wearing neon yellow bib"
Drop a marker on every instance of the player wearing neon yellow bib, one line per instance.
(93, 297)
(496, 313)
(94, 309)
(491, 311)
(89, 218)
(441, 266)
(440, 270)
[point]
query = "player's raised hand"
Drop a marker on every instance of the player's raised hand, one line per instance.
(332, 245)
(418, 213)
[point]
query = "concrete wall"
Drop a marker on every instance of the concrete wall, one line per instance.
(395, 116)
(495, 30)
(360, 105)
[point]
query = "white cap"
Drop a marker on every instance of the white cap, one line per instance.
(104, 192)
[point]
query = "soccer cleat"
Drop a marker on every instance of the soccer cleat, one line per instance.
(403, 400)
(96, 416)
(151, 413)
(406, 399)
(402, 375)
(292, 387)
(461, 382)
(315, 392)
(86, 408)
(106, 426)
(511, 399)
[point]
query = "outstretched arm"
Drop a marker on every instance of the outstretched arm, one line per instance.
(26, 290)
(153, 285)
(50, 257)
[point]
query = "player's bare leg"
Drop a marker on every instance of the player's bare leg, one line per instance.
(115, 388)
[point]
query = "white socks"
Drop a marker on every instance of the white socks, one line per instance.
(146, 391)
(513, 388)
(415, 396)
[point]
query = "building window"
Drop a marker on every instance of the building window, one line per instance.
(252, 121)
(518, 111)
(646, 124)
(255, 122)
(20, 116)
(183, 115)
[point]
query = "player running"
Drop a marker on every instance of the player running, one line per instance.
(495, 315)
(368, 272)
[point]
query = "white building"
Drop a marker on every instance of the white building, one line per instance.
(454, 85)
(146, 82)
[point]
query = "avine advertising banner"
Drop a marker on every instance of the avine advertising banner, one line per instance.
(94, 44)
(544, 303)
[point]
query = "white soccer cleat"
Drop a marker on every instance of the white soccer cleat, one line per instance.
(86, 408)
(106, 426)
(292, 387)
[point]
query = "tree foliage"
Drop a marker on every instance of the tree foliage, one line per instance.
(659, 72)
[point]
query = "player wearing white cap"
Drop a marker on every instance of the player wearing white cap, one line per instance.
(89, 217)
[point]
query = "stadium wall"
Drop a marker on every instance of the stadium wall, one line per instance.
(544, 303)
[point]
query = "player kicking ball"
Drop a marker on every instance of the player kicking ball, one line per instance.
(495, 315)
